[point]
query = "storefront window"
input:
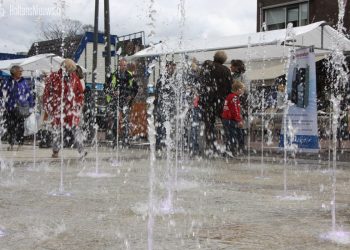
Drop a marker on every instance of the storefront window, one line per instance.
(293, 16)
(275, 18)
(278, 18)
(304, 13)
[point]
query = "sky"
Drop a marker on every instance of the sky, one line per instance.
(21, 20)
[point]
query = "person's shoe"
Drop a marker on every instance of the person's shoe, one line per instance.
(228, 154)
(10, 148)
(54, 155)
(126, 145)
(19, 147)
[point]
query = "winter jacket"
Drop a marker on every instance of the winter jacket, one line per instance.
(126, 85)
(165, 94)
(215, 86)
(232, 108)
(15, 93)
(73, 98)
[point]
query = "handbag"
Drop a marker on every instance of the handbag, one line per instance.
(23, 110)
(30, 125)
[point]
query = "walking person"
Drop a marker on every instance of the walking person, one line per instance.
(215, 86)
(19, 103)
(121, 89)
(194, 113)
(70, 102)
(232, 119)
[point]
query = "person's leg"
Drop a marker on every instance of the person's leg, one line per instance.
(194, 146)
(11, 128)
(160, 131)
(195, 130)
(209, 119)
(56, 141)
(240, 139)
(114, 112)
(19, 130)
(79, 141)
(228, 135)
(126, 121)
(78, 138)
(236, 133)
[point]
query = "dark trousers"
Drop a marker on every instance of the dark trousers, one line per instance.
(15, 127)
(232, 135)
(194, 132)
(125, 124)
(241, 138)
(77, 138)
(160, 129)
(210, 133)
(120, 122)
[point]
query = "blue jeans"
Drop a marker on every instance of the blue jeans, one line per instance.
(232, 135)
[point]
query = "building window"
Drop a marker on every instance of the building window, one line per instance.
(304, 13)
(275, 18)
(279, 17)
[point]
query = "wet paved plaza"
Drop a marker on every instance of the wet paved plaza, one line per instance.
(218, 203)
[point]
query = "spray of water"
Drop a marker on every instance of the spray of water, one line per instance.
(249, 120)
(151, 137)
(338, 76)
(61, 5)
(287, 140)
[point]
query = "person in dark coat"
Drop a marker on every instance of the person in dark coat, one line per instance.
(164, 103)
(215, 86)
(19, 103)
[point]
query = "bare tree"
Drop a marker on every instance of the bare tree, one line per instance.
(88, 28)
(68, 28)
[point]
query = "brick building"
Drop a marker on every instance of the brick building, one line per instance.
(276, 14)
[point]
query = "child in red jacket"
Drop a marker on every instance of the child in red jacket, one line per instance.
(232, 118)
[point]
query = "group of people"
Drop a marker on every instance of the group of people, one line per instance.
(213, 92)
(59, 97)
(60, 101)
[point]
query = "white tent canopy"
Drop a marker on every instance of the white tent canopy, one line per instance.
(270, 47)
(43, 63)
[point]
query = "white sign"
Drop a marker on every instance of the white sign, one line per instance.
(301, 118)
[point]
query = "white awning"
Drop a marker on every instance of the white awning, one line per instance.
(42, 63)
(269, 44)
(269, 69)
